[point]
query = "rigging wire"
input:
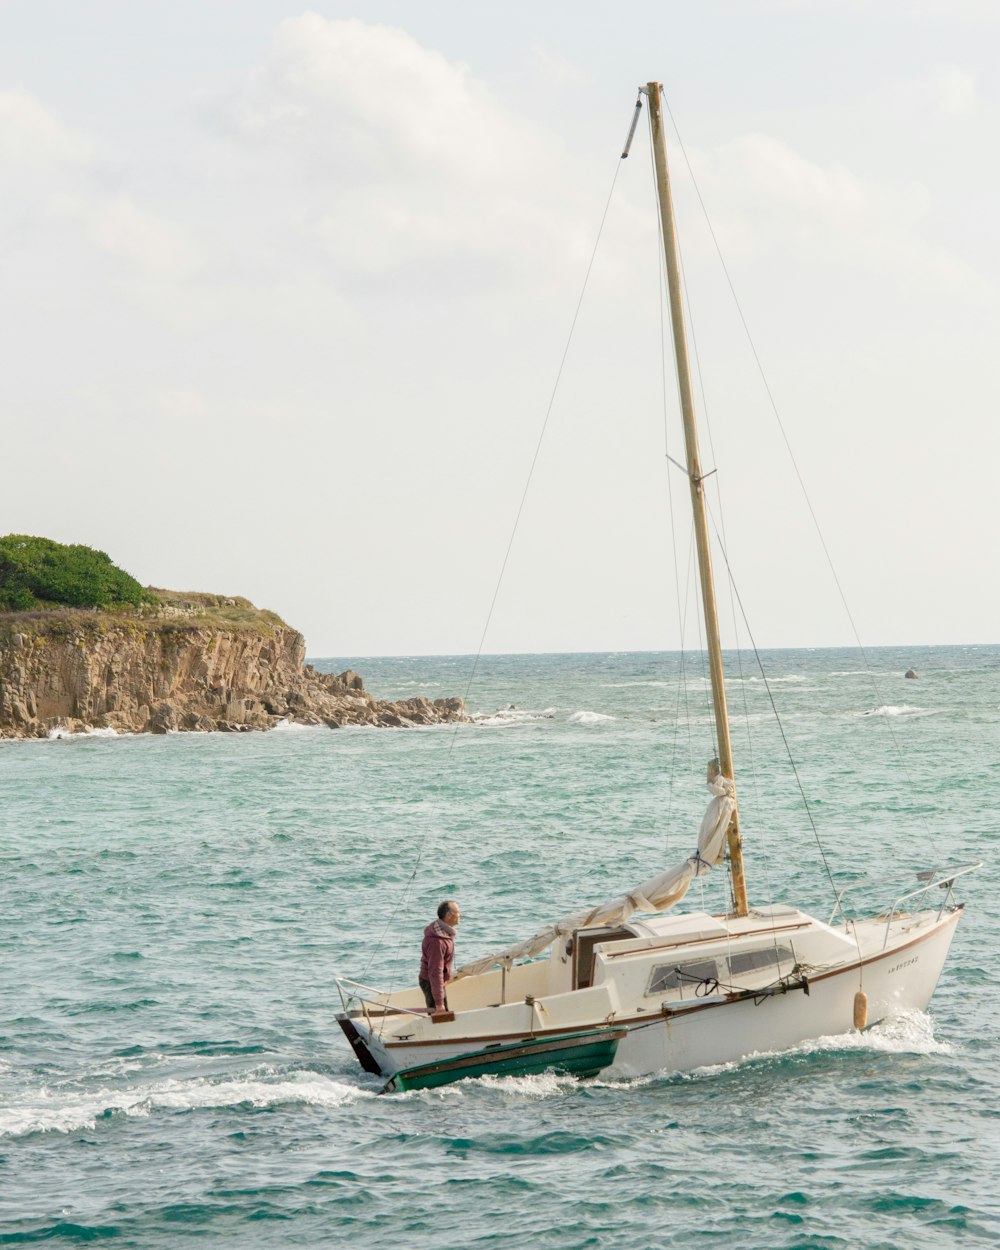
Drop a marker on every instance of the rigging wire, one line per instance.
(788, 751)
(541, 436)
(791, 454)
(770, 695)
(421, 849)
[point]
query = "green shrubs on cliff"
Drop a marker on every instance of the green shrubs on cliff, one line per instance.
(37, 572)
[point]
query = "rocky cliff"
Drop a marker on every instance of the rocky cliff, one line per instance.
(188, 662)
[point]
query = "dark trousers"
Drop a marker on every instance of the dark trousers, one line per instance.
(429, 995)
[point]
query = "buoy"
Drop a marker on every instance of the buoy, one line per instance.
(860, 1009)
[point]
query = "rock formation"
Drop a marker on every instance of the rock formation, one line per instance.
(189, 662)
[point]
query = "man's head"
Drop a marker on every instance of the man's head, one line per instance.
(450, 912)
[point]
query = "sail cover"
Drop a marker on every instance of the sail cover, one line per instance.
(657, 894)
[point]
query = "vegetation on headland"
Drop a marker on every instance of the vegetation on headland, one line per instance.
(197, 608)
(54, 588)
(37, 573)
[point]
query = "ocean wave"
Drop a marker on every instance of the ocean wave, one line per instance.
(512, 716)
(886, 709)
(627, 685)
(293, 726)
(588, 718)
(59, 1112)
(771, 681)
(700, 679)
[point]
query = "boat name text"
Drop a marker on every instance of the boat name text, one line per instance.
(905, 964)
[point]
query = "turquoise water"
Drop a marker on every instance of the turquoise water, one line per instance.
(175, 910)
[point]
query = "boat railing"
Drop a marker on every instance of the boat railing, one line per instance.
(381, 997)
(933, 878)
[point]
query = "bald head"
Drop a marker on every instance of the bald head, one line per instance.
(449, 911)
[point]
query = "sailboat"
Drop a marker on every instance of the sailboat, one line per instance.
(678, 991)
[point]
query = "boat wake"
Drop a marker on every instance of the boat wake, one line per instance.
(909, 1033)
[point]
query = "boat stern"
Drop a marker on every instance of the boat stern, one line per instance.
(359, 1042)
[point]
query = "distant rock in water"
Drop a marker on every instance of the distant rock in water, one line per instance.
(192, 662)
(910, 673)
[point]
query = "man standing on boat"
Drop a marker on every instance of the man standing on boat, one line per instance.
(437, 955)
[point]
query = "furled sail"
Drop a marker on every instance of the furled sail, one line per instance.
(657, 894)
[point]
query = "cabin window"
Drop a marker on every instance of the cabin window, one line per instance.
(755, 961)
(680, 976)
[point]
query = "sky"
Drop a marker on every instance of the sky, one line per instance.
(287, 292)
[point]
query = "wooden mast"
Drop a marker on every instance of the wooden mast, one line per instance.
(670, 249)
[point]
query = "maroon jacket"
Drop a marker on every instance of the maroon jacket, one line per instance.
(437, 958)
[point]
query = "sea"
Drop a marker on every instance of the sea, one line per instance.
(176, 912)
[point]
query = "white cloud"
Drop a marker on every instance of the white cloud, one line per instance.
(52, 177)
(554, 67)
(119, 227)
(374, 95)
(777, 199)
(406, 157)
(954, 89)
(31, 137)
(769, 172)
(147, 244)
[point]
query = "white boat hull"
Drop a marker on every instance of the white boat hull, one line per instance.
(723, 1032)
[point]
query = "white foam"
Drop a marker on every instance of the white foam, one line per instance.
(909, 1033)
(292, 726)
(60, 731)
(57, 1111)
(587, 718)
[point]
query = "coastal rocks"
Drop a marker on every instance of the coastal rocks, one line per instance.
(168, 672)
